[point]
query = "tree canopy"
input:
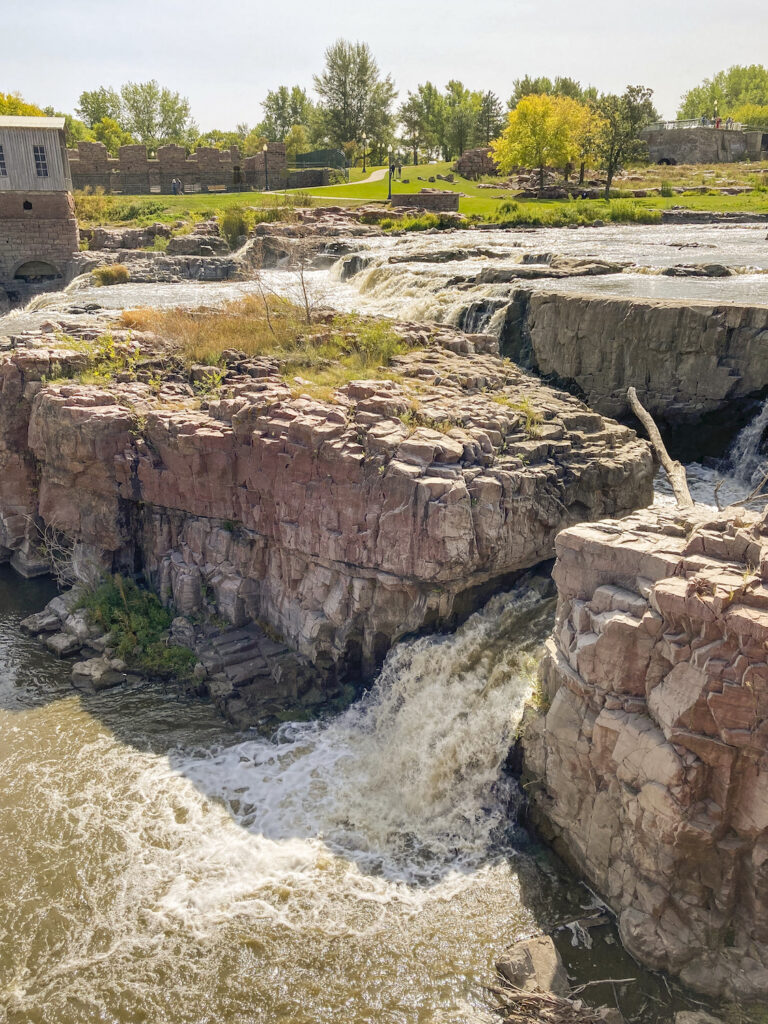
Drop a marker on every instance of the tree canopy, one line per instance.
(355, 100)
(622, 119)
(13, 105)
(543, 130)
(543, 86)
(728, 90)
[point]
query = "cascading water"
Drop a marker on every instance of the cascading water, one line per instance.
(356, 869)
(748, 461)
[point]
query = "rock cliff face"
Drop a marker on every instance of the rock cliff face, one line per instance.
(342, 524)
(649, 770)
(686, 360)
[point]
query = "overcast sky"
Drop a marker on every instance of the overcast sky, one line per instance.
(225, 56)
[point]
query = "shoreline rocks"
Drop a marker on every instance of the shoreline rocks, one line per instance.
(646, 772)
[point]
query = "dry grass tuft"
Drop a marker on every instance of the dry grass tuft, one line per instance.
(325, 354)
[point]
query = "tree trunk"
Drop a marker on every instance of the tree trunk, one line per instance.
(674, 470)
(582, 169)
(541, 180)
(415, 157)
(608, 183)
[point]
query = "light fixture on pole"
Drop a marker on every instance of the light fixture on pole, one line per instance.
(266, 172)
(389, 170)
(365, 146)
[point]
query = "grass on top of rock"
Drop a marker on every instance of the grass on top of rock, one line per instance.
(531, 416)
(136, 624)
(326, 352)
(112, 273)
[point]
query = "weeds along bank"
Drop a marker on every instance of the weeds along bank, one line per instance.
(342, 482)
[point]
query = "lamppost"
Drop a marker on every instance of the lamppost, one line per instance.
(389, 170)
(266, 172)
(365, 146)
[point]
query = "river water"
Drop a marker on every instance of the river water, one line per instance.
(159, 869)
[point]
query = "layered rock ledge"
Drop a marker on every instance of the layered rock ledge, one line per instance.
(342, 524)
(648, 769)
(687, 360)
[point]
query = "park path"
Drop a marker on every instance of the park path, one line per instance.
(376, 176)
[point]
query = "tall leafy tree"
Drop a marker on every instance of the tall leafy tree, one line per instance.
(411, 117)
(108, 131)
(543, 86)
(462, 109)
(156, 115)
(96, 104)
(12, 104)
(490, 119)
(541, 131)
(622, 119)
(354, 99)
(737, 86)
(284, 108)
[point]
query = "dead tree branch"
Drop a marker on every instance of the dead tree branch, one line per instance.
(674, 470)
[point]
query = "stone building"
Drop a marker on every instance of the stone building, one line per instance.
(134, 171)
(668, 144)
(38, 228)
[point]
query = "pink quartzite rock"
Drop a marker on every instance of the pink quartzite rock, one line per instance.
(651, 764)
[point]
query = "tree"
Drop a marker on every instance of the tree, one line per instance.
(284, 108)
(623, 118)
(411, 117)
(541, 130)
(462, 109)
(543, 86)
(528, 86)
(729, 89)
(434, 115)
(97, 104)
(13, 105)
(219, 140)
(156, 115)
(490, 119)
(752, 114)
(297, 141)
(108, 131)
(354, 99)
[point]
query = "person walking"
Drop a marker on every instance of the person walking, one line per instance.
(174, 187)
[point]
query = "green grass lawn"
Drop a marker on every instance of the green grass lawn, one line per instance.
(480, 203)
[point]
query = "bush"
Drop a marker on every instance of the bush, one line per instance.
(426, 222)
(115, 273)
(627, 211)
(135, 622)
(233, 223)
(666, 190)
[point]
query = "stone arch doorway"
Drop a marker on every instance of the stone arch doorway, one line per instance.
(36, 270)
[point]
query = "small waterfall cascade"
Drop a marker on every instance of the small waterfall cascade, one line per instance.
(749, 463)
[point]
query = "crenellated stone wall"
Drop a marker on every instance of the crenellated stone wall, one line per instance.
(207, 168)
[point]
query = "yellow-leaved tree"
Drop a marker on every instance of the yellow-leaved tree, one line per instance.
(543, 131)
(13, 104)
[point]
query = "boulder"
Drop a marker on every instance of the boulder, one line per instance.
(534, 965)
(98, 673)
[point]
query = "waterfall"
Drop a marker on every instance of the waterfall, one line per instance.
(748, 461)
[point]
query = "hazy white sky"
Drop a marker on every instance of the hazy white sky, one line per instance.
(225, 56)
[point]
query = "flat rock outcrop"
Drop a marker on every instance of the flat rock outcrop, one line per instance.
(686, 359)
(343, 524)
(647, 763)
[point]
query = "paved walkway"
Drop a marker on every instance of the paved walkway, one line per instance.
(376, 176)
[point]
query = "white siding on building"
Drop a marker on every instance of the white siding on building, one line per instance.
(19, 158)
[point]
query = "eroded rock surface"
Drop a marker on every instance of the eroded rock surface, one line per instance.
(648, 771)
(343, 523)
(686, 359)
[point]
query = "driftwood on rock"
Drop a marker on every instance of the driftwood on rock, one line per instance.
(674, 470)
(516, 1006)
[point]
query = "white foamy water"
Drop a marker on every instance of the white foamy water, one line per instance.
(356, 869)
(419, 290)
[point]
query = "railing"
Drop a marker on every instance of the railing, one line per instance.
(698, 122)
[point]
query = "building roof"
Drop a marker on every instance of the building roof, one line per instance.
(51, 123)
